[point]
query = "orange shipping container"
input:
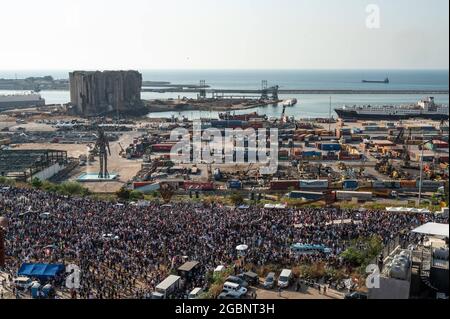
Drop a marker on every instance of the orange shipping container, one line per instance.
(408, 184)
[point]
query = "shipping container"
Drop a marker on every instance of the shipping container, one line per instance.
(386, 184)
(234, 184)
(330, 147)
(284, 185)
(206, 186)
(305, 195)
(313, 184)
(349, 195)
(162, 147)
(350, 184)
(141, 184)
(430, 185)
(408, 184)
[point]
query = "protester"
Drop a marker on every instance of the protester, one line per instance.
(124, 251)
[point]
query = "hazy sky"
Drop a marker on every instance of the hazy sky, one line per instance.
(222, 34)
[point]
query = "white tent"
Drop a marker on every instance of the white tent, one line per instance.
(408, 210)
(433, 229)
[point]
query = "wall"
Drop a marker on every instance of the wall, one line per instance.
(391, 288)
(49, 172)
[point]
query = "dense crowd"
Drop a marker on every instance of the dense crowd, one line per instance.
(125, 250)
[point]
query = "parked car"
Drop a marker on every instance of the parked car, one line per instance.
(285, 278)
(237, 280)
(269, 282)
(195, 293)
(250, 277)
(23, 283)
(234, 289)
(226, 295)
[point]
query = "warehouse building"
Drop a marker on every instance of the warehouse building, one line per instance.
(25, 165)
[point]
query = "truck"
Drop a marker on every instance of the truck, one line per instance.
(167, 287)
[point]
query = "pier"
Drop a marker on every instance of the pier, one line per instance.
(274, 91)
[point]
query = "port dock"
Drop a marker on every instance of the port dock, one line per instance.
(216, 92)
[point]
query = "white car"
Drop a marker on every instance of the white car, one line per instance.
(195, 293)
(23, 283)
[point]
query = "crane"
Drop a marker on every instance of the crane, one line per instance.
(122, 151)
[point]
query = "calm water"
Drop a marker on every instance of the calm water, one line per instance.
(309, 105)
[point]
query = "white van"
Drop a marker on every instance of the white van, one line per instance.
(233, 289)
(167, 287)
(195, 293)
(285, 278)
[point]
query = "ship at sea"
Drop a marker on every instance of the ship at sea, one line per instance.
(385, 81)
(426, 109)
(12, 101)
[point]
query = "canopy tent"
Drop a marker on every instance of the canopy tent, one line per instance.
(41, 271)
(433, 229)
(188, 266)
(408, 210)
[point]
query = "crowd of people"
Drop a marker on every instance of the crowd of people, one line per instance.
(125, 250)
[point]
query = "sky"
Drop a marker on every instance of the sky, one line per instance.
(223, 34)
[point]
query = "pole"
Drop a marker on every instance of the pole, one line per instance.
(420, 176)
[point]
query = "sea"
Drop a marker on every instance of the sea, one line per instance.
(309, 105)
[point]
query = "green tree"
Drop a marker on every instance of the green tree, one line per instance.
(136, 195)
(36, 183)
(363, 251)
(123, 193)
(236, 199)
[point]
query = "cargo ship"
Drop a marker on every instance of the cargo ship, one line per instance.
(385, 81)
(241, 117)
(21, 100)
(426, 109)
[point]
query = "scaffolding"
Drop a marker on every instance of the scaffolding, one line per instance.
(23, 164)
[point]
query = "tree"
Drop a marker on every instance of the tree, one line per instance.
(73, 188)
(363, 251)
(236, 199)
(135, 195)
(36, 183)
(123, 193)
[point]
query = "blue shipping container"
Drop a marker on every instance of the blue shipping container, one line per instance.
(305, 195)
(350, 184)
(331, 147)
(235, 184)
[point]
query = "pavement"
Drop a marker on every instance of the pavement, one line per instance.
(304, 293)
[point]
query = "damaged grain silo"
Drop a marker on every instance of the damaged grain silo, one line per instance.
(95, 93)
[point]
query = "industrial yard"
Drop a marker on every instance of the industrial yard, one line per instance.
(361, 161)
